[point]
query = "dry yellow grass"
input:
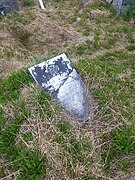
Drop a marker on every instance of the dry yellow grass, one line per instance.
(47, 33)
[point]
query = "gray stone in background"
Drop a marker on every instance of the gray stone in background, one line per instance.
(120, 5)
(8, 6)
(84, 2)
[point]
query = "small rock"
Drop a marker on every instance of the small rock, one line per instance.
(78, 19)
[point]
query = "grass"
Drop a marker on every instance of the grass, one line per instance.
(64, 127)
(111, 86)
(18, 19)
(80, 49)
(122, 143)
(108, 74)
(28, 2)
(38, 140)
(29, 164)
(44, 100)
(131, 12)
(10, 88)
(76, 149)
(2, 119)
(131, 47)
(28, 136)
(86, 33)
(88, 42)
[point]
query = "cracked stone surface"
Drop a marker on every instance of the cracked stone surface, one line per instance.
(60, 78)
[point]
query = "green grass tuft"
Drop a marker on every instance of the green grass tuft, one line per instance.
(64, 127)
(28, 136)
(10, 88)
(2, 118)
(28, 2)
(44, 100)
(30, 164)
(123, 140)
(122, 143)
(131, 47)
(80, 49)
(86, 33)
(113, 82)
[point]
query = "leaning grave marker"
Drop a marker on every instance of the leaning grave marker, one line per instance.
(59, 77)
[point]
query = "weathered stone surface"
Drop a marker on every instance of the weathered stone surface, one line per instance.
(120, 5)
(60, 78)
(8, 6)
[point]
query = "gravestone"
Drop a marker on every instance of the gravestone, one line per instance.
(59, 77)
(120, 5)
(8, 6)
